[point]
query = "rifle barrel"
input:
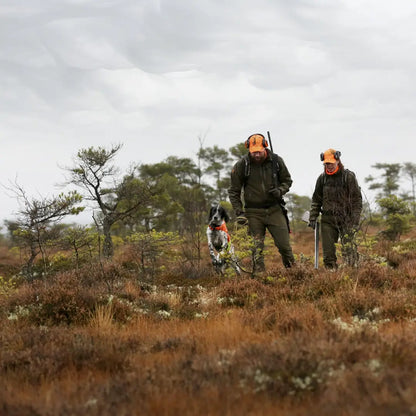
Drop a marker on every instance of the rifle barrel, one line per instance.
(316, 245)
(270, 141)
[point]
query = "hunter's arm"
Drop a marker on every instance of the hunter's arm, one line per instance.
(317, 197)
(285, 180)
(356, 199)
(234, 191)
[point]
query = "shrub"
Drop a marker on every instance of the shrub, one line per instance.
(244, 293)
(59, 301)
(7, 286)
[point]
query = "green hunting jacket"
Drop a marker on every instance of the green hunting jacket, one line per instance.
(338, 198)
(251, 182)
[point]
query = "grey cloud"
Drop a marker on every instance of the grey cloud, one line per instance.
(311, 70)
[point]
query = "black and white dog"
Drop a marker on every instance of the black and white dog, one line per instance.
(220, 247)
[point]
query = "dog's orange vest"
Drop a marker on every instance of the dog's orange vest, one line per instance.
(222, 227)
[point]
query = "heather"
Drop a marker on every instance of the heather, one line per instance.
(123, 337)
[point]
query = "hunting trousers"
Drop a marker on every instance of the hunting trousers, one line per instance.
(331, 232)
(272, 219)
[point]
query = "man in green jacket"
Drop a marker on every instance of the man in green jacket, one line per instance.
(258, 182)
(337, 197)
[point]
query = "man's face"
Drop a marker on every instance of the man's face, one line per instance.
(259, 156)
(331, 167)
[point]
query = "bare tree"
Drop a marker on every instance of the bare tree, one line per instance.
(116, 198)
(37, 219)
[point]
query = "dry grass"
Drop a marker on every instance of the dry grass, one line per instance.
(102, 318)
(289, 342)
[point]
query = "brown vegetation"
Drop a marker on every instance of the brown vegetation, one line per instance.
(101, 340)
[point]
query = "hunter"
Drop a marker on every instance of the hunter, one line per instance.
(337, 197)
(258, 182)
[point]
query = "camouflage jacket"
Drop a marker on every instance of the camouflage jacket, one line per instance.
(251, 182)
(338, 198)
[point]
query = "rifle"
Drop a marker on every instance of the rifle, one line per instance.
(275, 169)
(270, 141)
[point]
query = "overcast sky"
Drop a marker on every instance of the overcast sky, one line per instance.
(158, 75)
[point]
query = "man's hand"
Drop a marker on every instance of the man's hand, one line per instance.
(275, 192)
(312, 224)
(242, 219)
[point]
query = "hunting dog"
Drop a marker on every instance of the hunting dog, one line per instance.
(220, 247)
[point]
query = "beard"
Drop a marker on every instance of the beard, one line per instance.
(258, 158)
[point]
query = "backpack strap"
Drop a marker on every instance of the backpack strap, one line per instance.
(276, 168)
(344, 173)
(247, 168)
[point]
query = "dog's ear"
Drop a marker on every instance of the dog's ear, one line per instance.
(211, 213)
(225, 215)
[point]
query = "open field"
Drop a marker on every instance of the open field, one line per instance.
(101, 341)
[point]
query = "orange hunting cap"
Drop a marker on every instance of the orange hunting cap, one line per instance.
(329, 156)
(256, 143)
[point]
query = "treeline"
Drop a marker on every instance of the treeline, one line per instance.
(396, 208)
(172, 196)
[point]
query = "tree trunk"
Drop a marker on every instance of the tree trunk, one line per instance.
(28, 269)
(108, 248)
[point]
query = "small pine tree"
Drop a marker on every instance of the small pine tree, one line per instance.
(397, 215)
